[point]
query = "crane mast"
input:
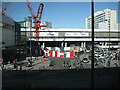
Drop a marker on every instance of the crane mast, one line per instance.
(36, 18)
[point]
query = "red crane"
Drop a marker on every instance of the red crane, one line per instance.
(12, 8)
(3, 10)
(36, 18)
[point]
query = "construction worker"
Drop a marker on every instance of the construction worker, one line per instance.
(20, 67)
(16, 64)
(29, 62)
(117, 63)
(64, 64)
(28, 59)
(108, 64)
(104, 60)
(3, 66)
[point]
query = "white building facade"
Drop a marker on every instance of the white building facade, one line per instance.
(103, 19)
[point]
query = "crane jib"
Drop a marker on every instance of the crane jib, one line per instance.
(37, 18)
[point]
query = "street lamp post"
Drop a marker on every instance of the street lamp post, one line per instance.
(109, 33)
(39, 48)
(109, 42)
(30, 43)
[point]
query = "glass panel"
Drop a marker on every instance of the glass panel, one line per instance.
(52, 51)
(106, 47)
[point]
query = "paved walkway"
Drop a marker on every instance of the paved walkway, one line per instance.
(113, 63)
(37, 64)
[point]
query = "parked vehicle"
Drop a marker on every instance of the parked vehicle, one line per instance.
(106, 56)
(96, 55)
(90, 57)
(85, 60)
(95, 60)
(87, 51)
(98, 51)
(101, 54)
(101, 57)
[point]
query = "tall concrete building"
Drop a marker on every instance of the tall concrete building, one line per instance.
(103, 19)
(9, 37)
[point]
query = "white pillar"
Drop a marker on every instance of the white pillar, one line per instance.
(84, 44)
(65, 44)
(81, 44)
(62, 44)
(105, 43)
(43, 45)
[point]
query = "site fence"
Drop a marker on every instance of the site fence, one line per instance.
(61, 54)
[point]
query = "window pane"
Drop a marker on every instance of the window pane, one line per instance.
(52, 51)
(106, 45)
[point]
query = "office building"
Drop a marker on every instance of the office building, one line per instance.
(103, 19)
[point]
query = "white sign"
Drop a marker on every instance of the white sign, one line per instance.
(76, 34)
(46, 34)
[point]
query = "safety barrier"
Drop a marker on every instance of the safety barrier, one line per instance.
(46, 52)
(60, 54)
(69, 54)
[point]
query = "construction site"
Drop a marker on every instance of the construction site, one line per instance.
(33, 47)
